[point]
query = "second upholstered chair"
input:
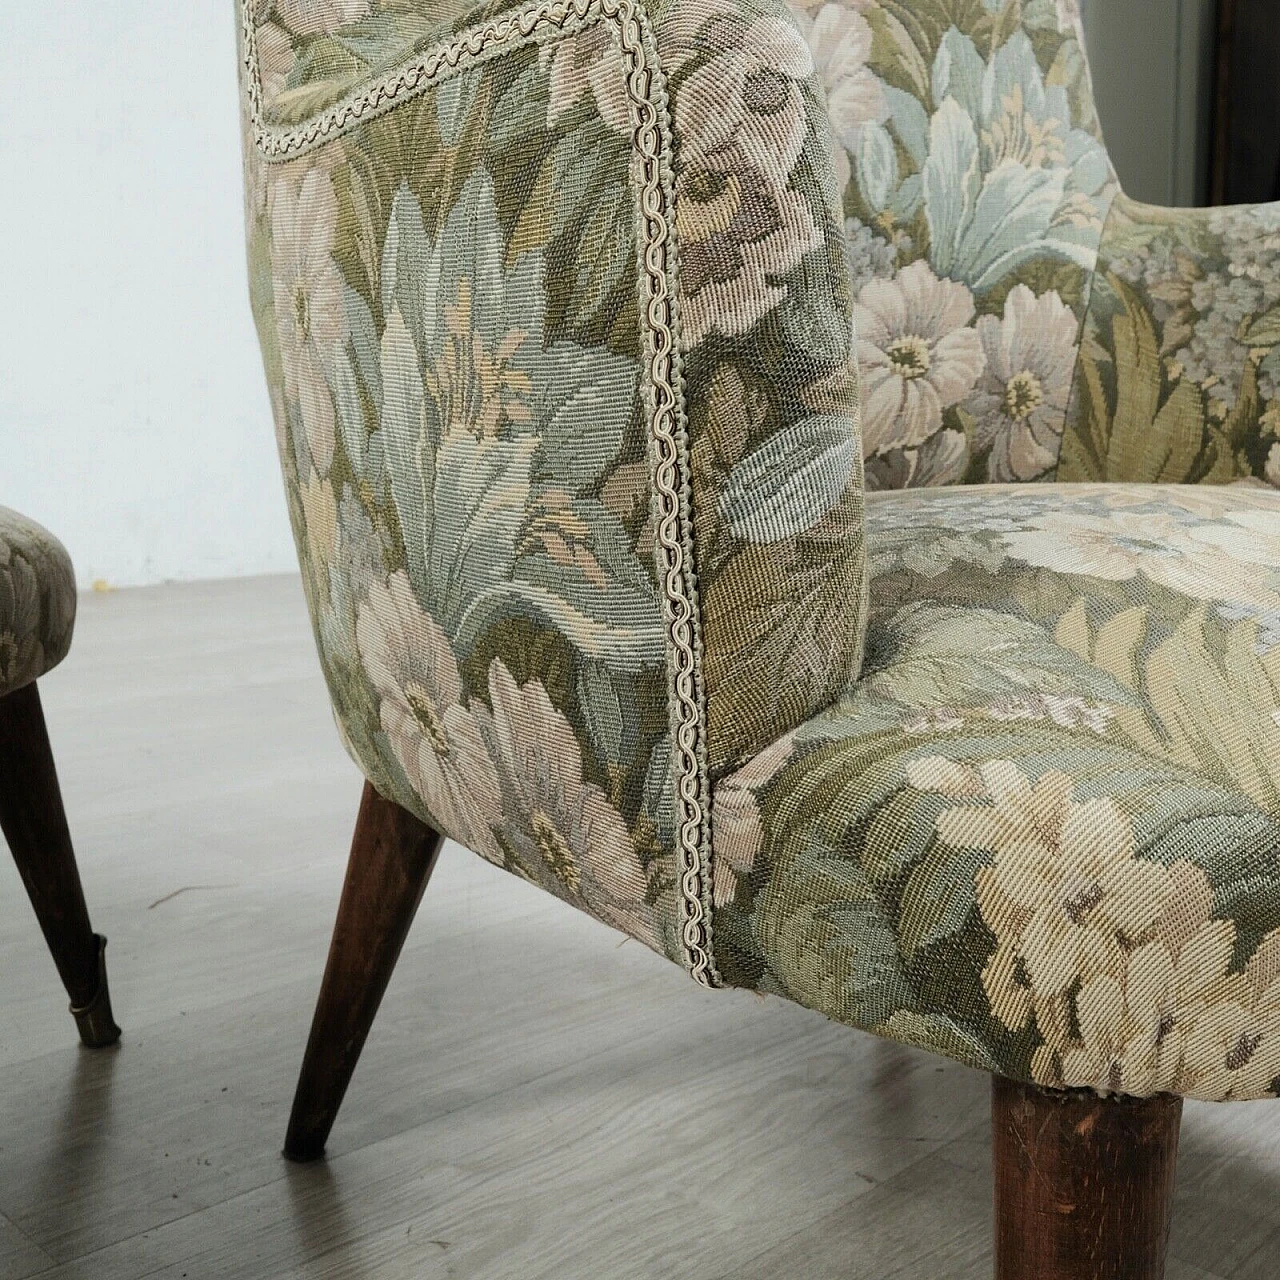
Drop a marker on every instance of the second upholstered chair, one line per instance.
(558, 305)
(37, 613)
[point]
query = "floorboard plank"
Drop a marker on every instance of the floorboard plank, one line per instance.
(20, 1256)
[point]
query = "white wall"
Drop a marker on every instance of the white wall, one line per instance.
(133, 417)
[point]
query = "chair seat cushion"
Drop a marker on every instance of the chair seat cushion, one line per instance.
(37, 601)
(1042, 834)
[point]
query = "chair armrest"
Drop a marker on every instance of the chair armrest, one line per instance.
(1179, 372)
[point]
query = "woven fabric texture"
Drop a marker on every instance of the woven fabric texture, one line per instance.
(37, 601)
(1042, 834)
(556, 304)
(580, 289)
(984, 227)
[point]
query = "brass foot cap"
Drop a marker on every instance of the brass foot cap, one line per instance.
(97, 1027)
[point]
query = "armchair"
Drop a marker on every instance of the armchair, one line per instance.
(558, 305)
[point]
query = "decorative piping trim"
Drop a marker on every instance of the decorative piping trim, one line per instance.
(532, 24)
(672, 490)
(646, 88)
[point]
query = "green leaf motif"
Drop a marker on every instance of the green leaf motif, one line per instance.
(828, 938)
(1265, 330)
(939, 897)
(940, 655)
(788, 484)
(1143, 439)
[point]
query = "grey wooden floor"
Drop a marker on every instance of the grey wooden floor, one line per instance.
(535, 1101)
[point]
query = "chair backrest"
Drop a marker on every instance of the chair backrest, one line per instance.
(976, 187)
(556, 324)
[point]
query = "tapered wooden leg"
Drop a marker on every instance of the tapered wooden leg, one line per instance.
(1084, 1185)
(35, 825)
(392, 857)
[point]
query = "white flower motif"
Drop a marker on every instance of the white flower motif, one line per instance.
(1068, 12)
(561, 829)
(354, 560)
(805, 9)
(917, 353)
(1202, 561)
(275, 59)
(1205, 501)
(1020, 402)
(1063, 890)
(1134, 1025)
(1067, 710)
(1173, 1017)
(840, 39)
(941, 461)
(1272, 470)
(947, 777)
(747, 95)
(1118, 961)
(1114, 547)
(307, 292)
(311, 17)
(1233, 1050)
(320, 514)
(1247, 537)
(742, 122)
(933, 722)
(437, 740)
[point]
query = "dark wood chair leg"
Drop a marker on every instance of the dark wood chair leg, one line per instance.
(392, 857)
(1084, 1185)
(35, 825)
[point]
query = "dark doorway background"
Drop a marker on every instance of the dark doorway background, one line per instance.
(1246, 129)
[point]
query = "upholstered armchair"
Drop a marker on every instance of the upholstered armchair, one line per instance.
(37, 614)
(618, 579)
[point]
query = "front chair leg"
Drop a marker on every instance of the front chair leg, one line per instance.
(35, 826)
(392, 857)
(1084, 1185)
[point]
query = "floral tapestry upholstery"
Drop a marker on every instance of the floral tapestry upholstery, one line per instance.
(37, 601)
(976, 187)
(1042, 834)
(538, 293)
(1179, 375)
(1018, 318)
(557, 304)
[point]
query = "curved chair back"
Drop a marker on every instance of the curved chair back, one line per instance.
(1018, 318)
